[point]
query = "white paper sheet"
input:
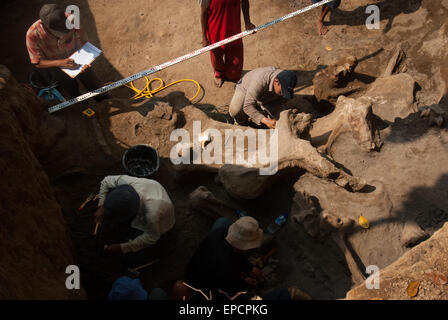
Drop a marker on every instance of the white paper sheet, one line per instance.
(83, 56)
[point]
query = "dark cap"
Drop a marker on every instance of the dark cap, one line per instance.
(53, 18)
(122, 203)
(288, 81)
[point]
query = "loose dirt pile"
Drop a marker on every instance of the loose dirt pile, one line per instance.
(33, 264)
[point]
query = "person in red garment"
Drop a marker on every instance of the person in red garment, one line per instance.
(221, 19)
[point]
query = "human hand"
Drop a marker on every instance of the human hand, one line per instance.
(270, 123)
(205, 42)
(112, 248)
(68, 63)
(250, 26)
(85, 67)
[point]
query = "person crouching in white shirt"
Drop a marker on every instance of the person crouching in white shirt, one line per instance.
(142, 201)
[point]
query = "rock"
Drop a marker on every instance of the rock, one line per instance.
(217, 180)
(267, 270)
(411, 267)
(343, 225)
(392, 96)
(350, 115)
(304, 212)
(333, 81)
(339, 208)
(395, 61)
(203, 201)
(244, 183)
(412, 234)
(300, 123)
(436, 113)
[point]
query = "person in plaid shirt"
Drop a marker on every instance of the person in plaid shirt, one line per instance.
(50, 44)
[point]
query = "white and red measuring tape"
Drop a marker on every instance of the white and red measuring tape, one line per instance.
(190, 55)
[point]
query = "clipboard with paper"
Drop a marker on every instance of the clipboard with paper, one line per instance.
(84, 56)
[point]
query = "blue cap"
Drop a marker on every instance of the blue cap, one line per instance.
(122, 203)
(125, 288)
(288, 81)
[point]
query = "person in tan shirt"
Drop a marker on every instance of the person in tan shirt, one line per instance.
(259, 92)
(145, 201)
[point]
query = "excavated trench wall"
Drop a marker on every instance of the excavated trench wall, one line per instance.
(35, 246)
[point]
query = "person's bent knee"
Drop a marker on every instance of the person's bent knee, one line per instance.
(234, 110)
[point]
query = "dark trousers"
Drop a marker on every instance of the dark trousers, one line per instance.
(220, 223)
(69, 87)
(135, 259)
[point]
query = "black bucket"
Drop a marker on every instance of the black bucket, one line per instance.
(141, 161)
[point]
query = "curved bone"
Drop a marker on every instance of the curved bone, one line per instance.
(244, 180)
(247, 183)
(350, 115)
(436, 113)
(305, 213)
(332, 82)
(205, 202)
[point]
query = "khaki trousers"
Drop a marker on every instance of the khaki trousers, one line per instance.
(236, 108)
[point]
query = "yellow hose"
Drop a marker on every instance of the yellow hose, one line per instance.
(147, 93)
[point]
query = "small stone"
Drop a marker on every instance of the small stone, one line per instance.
(268, 270)
(217, 180)
(273, 260)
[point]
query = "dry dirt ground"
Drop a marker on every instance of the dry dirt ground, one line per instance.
(135, 36)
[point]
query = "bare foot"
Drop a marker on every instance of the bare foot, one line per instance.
(219, 82)
(322, 29)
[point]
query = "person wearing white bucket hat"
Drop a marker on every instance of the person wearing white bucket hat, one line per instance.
(245, 234)
(221, 262)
